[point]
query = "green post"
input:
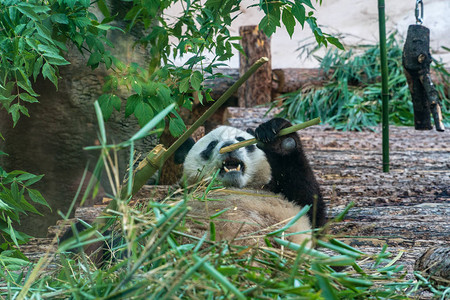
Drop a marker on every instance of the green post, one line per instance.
(384, 85)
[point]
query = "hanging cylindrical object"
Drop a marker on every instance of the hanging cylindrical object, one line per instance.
(416, 63)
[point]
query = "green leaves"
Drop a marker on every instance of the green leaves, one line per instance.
(288, 21)
(143, 112)
(35, 34)
(196, 80)
(299, 12)
(15, 192)
(184, 85)
(49, 72)
(33, 39)
(289, 13)
(109, 102)
(269, 23)
(60, 18)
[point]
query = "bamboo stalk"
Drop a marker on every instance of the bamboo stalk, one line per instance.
(156, 158)
(284, 131)
(215, 106)
(154, 161)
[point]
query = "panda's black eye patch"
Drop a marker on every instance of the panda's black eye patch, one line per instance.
(251, 148)
(206, 154)
(240, 138)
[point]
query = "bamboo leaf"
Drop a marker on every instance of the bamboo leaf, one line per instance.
(101, 123)
(219, 213)
(152, 123)
(300, 214)
(326, 288)
(37, 197)
(220, 278)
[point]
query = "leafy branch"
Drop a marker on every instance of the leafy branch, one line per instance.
(33, 42)
(14, 191)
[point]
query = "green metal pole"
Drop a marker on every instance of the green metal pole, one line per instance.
(384, 85)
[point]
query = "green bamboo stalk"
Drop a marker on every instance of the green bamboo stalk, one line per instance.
(284, 131)
(157, 160)
(218, 103)
(384, 85)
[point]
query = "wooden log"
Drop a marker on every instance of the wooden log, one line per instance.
(220, 84)
(290, 80)
(435, 262)
(394, 222)
(416, 62)
(257, 89)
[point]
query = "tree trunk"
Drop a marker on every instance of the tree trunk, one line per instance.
(257, 89)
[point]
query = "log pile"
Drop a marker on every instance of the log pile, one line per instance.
(289, 80)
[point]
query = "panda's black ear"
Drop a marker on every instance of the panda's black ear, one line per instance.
(251, 131)
(181, 152)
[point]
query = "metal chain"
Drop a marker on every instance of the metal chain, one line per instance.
(419, 20)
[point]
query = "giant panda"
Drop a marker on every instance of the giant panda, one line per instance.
(266, 184)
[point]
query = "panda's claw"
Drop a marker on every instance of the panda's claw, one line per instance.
(266, 133)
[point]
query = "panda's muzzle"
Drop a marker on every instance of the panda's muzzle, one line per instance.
(231, 164)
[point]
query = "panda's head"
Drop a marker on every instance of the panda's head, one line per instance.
(244, 167)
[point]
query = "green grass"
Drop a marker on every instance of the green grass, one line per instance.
(351, 98)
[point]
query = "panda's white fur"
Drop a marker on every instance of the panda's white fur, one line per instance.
(256, 170)
(252, 212)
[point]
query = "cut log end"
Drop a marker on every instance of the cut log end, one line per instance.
(435, 263)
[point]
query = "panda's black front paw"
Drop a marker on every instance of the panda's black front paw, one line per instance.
(268, 131)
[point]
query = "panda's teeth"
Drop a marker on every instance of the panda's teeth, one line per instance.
(226, 169)
(238, 167)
